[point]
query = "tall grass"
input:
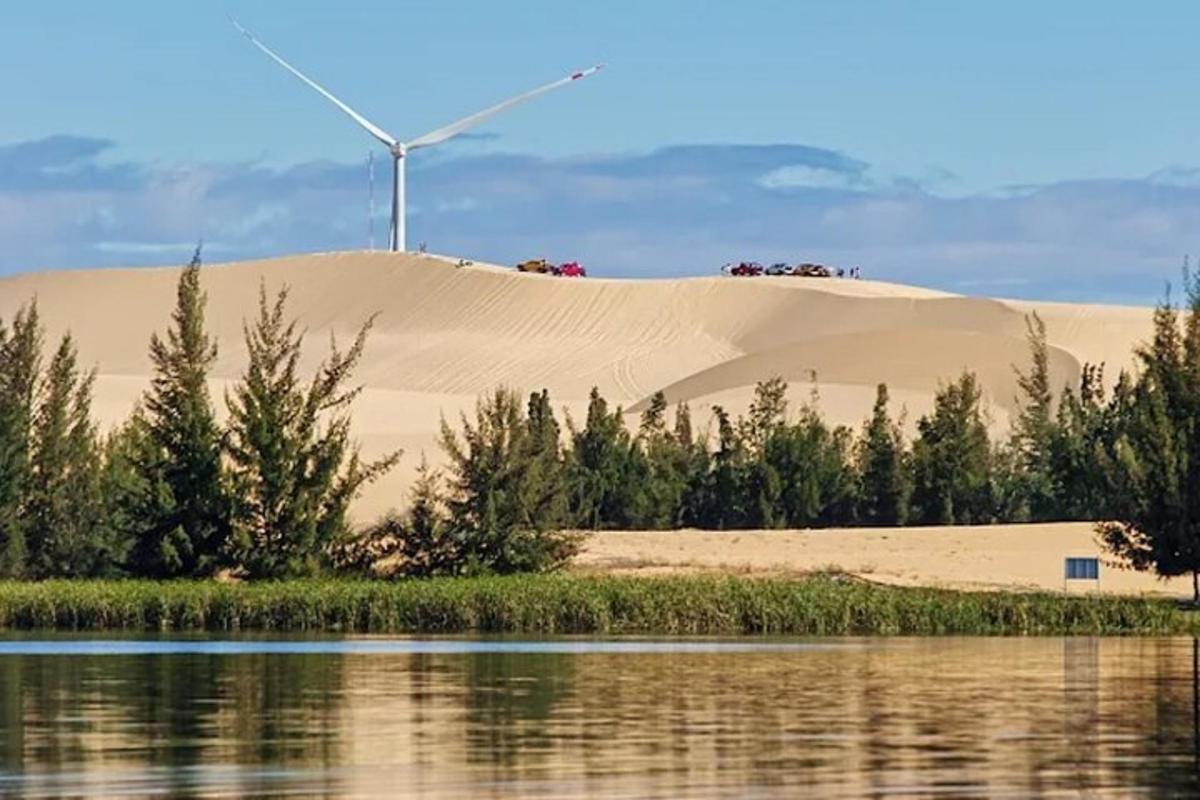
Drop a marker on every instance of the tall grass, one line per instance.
(821, 605)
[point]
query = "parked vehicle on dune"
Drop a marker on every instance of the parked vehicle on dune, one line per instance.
(805, 269)
(535, 265)
(743, 269)
(808, 270)
(571, 269)
(540, 266)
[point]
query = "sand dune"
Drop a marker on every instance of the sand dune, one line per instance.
(444, 334)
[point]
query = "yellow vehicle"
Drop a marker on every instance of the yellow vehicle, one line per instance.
(538, 265)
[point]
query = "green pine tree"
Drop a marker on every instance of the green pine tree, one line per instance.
(765, 417)
(669, 457)
(1087, 430)
(951, 461)
(760, 433)
(294, 467)
(756, 479)
(816, 471)
(694, 465)
(124, 493)
(20, 366)
(1156, 475)
(653, 422)
(1034, 493)
(1011, 485)
(502, 502)
(66, 513)
(545, 484)
(883, 473)
(724, 503)
(428, 544)
(181, 514)
(608, 471)
(418, 543)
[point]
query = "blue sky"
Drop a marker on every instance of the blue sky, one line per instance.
(1028, 149)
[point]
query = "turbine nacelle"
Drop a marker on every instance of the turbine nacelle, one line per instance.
(400, 149)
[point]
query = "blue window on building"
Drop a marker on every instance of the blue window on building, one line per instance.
(1083, 569)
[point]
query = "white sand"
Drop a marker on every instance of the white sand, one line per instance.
(956, 557)
(444, 335)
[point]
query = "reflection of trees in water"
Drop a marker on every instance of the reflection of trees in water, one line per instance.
(1081, 717)
(1129, 716)
(592, 717)
(959, 716)
(276, 710)
(182, 713)
(509, 700)
(1166, 759)
(977, 716)
(12, 731)
(294, 704)
(44, 717)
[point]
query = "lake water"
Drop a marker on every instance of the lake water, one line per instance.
(612, 718)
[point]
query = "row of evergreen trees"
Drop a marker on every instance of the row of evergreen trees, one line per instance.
(173, 492)
(515, 482)
(1128, 459)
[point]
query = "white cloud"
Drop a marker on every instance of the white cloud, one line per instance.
(796, 176)
(155, 248)
(680, 210)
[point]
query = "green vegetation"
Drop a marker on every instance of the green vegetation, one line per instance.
(175, 494)
(953, 475)
(884, 488)
(823, 605)
(20, 368)
(179, 499)
(293, 468)
(65, 509)
(1156, 479)
(506, 501)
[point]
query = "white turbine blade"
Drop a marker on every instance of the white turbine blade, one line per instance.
(376, 131)
(455, 128)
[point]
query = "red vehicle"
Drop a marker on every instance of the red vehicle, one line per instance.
(744, 268)
(571, 269)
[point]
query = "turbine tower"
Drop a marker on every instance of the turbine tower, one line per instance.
(400, 149)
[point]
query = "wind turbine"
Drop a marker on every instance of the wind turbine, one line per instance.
(400, 149)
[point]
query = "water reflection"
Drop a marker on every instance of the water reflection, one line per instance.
(922, 717)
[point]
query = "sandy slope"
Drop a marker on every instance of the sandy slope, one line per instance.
(956, 557)
(444, 334)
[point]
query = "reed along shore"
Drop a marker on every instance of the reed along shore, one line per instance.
(820, 605)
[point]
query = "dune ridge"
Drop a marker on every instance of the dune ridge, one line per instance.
(444, 334)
